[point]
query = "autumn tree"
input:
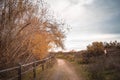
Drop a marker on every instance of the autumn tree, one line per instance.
(96, 49)
(27, 31)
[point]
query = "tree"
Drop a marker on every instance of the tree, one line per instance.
(27, 31)
(96, 49)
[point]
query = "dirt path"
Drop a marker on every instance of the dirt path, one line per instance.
(62, 70)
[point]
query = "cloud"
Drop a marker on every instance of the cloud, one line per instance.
(84, 12)
(88, 17)
(58, 5)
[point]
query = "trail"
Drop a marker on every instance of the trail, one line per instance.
(62, 70)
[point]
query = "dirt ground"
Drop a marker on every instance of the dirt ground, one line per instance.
(62, 70)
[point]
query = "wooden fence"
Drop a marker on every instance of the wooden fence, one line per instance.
(43, 64)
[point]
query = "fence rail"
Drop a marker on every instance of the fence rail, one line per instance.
(35, 64)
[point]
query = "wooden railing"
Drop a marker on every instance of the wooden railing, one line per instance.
(43, 64)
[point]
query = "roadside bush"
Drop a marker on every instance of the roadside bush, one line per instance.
(88, 56)
(114, 44)
(81, 57)
(96, 49)
(105, 67)
(66, 55)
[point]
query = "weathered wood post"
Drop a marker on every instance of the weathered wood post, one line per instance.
(34, 70)
(43, 65)
(19, 72)
(49, 62)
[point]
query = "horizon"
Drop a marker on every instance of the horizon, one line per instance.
(89, 20)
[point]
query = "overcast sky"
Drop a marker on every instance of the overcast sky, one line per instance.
(90, 20)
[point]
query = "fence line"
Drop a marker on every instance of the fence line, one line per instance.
(34, 66)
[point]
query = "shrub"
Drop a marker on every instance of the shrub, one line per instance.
(96, 49)
(114, 44)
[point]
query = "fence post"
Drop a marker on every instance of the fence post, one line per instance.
(48, 63)
(19, 72)
(34, 71)
(43, 66)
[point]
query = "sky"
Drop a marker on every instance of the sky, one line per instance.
(90, 20)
